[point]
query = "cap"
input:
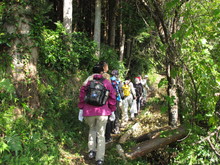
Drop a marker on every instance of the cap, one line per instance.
(115, 72)
(146, 76)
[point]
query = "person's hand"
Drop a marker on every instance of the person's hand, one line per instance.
(112, 117)
(80, 116)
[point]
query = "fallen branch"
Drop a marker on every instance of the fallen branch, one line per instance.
(150, 135)
(154, 144)
(210, 143)
(210, 135)
(121, 152)
(128, 133)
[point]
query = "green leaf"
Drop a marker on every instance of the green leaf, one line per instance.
(3, 147)
(14, 143)
(162, 82)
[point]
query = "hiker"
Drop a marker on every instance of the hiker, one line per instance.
(139, 92)
(96, 116)
(108, 130)
(145, 88)
(129, 101)
(105, 69)
(117, 85)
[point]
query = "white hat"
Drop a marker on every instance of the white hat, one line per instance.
(146, 76)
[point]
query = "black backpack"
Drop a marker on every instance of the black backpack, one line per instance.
(138, 89)
(96, 93)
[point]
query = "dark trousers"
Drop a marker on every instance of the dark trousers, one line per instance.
(112, 126)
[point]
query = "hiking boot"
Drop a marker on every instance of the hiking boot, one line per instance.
(99, 162)
(92, 154)
(108, 140)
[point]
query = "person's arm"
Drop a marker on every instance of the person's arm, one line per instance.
(112, 97)
(82, 96)
(132, 89)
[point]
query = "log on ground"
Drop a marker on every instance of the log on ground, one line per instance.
(151, 135)
(154, 144)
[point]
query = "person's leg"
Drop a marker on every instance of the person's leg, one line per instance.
(132, 106)
(91, 121)
(108, 130)
(125, 110)
(100, 127)
(116, 123)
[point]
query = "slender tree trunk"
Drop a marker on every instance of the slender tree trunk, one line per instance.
(173, 97)
(122, 37)
(24, 54)
(97, 26)
(165, 28)
(67, 15)
(113, 4)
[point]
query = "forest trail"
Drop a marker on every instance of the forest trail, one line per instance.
(150, 119)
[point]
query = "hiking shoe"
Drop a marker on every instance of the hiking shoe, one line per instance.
(99, 162)
(92, 154)
(108, 140)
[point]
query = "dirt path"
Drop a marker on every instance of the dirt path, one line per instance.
(149, 120)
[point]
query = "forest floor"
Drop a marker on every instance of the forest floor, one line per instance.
(150, 119)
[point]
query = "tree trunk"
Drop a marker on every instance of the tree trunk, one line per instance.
(97, 26)
(165, 28)
(173, 97)
(67, 15)
(150, 135)
(113, 4)
(25, 55)
(122, 38)
(154, 144)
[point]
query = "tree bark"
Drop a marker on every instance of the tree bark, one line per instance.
(154, 144)
(24, 56)
(122, 37)
(97, 26)
(150, 135)
(67, 15)
(113, 4)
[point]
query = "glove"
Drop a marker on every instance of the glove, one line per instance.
(112, 117)
(80, 116)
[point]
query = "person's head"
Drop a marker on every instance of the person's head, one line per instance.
(104, 65)
(97, 69)
(146, 77)
(115, 73)
(137, 80)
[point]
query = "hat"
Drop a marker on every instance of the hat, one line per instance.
(137, 80)
(146, 76)
(115, 72)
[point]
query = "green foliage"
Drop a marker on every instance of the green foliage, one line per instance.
(65, 53)
(111, 57)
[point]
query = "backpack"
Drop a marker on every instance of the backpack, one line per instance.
(138, 89)
(96, 93)
(116, 85)
(126, 90)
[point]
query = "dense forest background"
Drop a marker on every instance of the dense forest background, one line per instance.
(48, 48)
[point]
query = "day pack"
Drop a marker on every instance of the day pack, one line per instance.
(96, 93)
(138, 89)
(116, 86)
(126, 90)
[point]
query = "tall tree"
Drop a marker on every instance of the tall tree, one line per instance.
(97, 26)
(67, 15)
(23, 50)
(167, 25)
(113, 7)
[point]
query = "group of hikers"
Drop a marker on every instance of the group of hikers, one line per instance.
(106, 104)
